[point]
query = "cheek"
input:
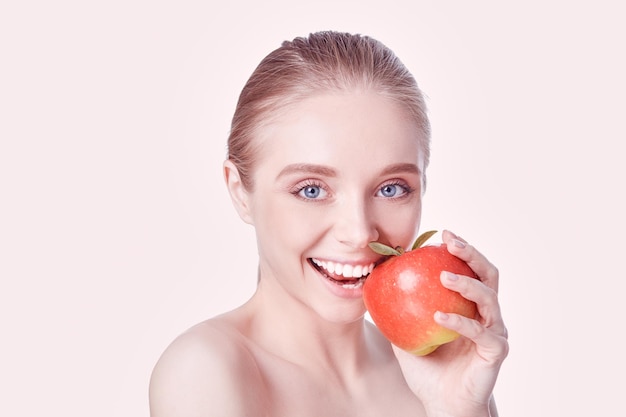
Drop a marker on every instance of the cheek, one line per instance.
(289, 225)
(399, 226)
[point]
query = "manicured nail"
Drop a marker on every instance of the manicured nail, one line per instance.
(458, 243)
(450, 276)
(442, 316)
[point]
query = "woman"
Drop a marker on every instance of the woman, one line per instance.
(327, 152)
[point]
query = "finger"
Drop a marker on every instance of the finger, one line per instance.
(486, 271)
(448, 234)
(491, 346)
(485, 298)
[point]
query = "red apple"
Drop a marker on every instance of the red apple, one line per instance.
(403, 293)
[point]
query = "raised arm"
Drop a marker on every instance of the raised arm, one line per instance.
(466, 369)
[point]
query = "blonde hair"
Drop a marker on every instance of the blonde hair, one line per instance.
(323, 61)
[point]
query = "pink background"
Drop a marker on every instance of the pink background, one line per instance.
(116, 233)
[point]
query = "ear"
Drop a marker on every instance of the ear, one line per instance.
(238, 193)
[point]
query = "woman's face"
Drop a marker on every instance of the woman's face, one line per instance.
(336, 171)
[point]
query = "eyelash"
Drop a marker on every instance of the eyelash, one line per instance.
(305, 184)
(297, 190)
(408, 190)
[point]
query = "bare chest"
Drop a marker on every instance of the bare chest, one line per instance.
(295, 392)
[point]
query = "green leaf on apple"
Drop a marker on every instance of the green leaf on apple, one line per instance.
(421, 239)
(382, 249)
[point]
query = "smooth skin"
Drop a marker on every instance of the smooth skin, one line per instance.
(335, 171)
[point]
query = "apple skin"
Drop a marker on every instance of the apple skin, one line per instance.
(403, 293)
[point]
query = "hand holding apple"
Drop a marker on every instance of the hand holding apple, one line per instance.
(403, 293)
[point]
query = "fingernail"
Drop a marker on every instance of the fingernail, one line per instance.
(450, 276)
(442, 316)
(458, 243)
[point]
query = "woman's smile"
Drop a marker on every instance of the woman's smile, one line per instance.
(344, 271)
(343, 279)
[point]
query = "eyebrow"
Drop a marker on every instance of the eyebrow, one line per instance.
(310, 168)
(331, 172)
(402, 168)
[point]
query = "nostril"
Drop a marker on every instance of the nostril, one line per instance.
(354, 225)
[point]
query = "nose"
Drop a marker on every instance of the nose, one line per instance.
(355, 225)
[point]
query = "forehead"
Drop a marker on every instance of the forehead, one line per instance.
(338, 128)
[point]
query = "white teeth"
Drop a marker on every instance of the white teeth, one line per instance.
(346, 270)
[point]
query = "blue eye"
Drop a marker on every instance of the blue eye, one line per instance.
(393, 190)
(311, 191)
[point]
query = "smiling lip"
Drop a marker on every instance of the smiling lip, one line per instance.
(347, 277)
(342, 272)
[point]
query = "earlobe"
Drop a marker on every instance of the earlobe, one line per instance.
(238, 193)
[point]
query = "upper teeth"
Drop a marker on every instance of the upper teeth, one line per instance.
(348, 271)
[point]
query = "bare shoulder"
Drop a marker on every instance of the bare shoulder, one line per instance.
(208, 370)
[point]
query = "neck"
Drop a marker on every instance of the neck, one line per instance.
(290, 329)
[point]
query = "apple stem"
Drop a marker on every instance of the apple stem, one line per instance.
(382, 249)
